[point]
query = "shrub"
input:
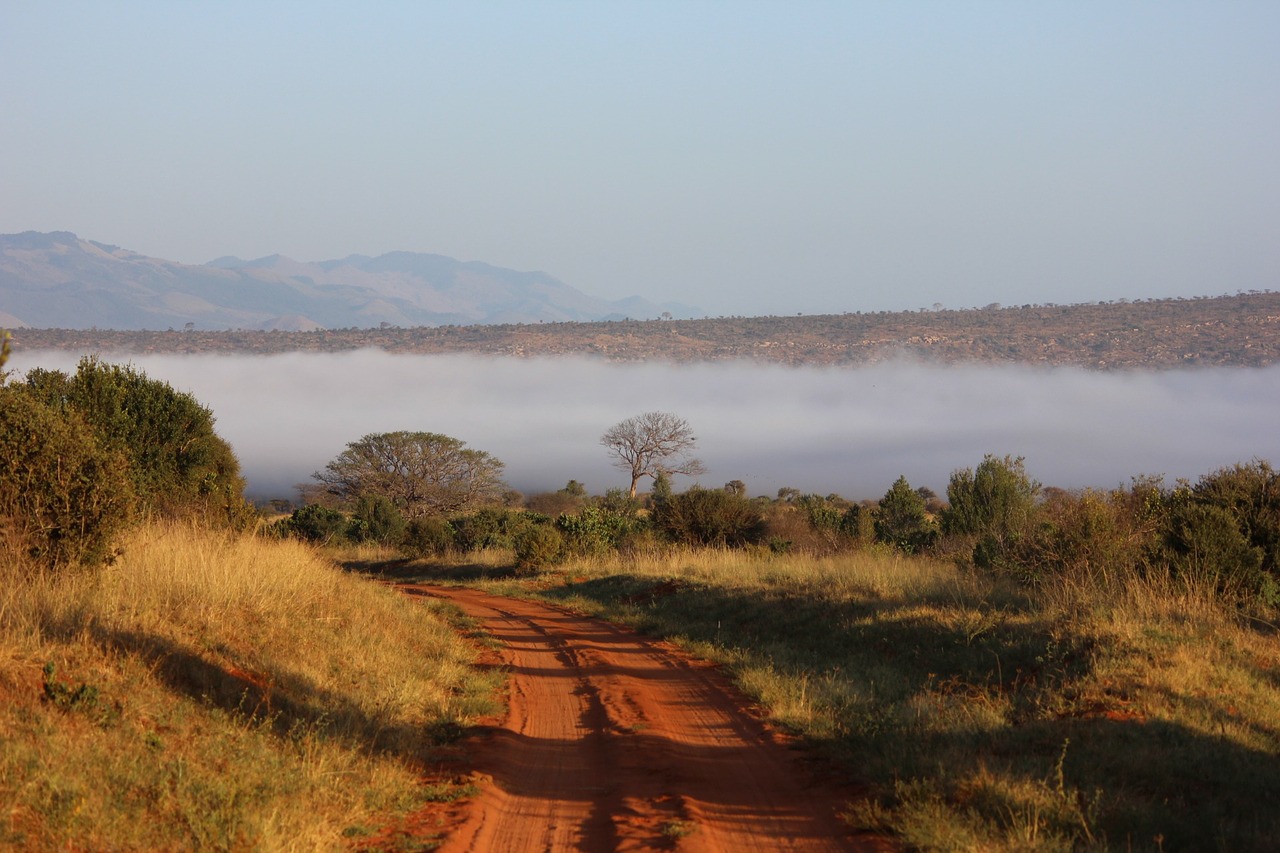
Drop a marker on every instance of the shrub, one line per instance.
(377, 519)
(316, 524)
(1251, 494)
(1086, 536)
(710, 517)
(595, 530)
(63, 496)
(993, 505)
(427, 537)
(901, 520)
(1205, 547)
(178, 464)
(492, 528)
(536, 547)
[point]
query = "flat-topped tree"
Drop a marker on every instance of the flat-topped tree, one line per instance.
(651, 444)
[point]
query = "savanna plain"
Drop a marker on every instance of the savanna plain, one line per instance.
(1008, 666)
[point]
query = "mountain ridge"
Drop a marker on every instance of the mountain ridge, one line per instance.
(59, 280)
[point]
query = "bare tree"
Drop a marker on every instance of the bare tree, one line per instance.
(651, 444)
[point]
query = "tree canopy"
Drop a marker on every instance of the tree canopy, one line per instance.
(422, 473)
(651, 444)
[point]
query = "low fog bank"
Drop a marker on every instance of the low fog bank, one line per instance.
(851, 431)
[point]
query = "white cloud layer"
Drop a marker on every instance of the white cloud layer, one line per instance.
(851, 431)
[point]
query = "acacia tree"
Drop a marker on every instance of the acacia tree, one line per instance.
(652, 444)
(423, 473)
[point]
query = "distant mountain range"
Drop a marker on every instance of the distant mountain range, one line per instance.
(58, 280)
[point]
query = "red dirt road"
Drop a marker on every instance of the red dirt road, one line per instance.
(616, 742)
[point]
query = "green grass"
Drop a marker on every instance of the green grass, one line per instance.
(981, 715)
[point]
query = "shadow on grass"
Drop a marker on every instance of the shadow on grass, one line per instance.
(291, 705)
(421, 571)
(941, 694)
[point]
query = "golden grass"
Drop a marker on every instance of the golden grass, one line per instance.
(1135, 715)
(217, 692)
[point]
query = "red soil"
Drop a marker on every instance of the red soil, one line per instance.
(617, 742)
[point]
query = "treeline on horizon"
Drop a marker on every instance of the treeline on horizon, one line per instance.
(1241, 330)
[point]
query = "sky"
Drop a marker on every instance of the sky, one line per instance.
(820, 430)
(742, 157)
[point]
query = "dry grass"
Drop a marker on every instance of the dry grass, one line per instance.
(211, 692)
(985, 716)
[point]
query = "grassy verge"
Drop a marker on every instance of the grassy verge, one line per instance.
(210, 692)
(983, 716)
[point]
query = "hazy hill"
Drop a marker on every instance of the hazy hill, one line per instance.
(58, 280)
(1238, 331)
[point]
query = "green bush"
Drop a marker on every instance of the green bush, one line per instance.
(376, 519)
(993, 506)
(537, 547)
(1205, 547)
(492, 527)
(1251, 494)
(595, 530)
(429, 536)
(710, 517)
(316, 524)
(901, 520)
(178, 464)
(63, 496)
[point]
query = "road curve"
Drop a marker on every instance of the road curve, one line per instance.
(615, 742)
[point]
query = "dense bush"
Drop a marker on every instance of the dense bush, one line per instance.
(491, 528)
(1251, 494)
(376, 519)
(1087, 536)
(317, 524)
(993, 506)
(63, 496)
(429, 536)
(178, 465)
(711, 517)
(537, 546)
(901, 519)
(596, 530)
(811, 524)
(1204, 547)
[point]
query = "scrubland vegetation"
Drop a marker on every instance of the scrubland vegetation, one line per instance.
(171, 680)
(1010, 667)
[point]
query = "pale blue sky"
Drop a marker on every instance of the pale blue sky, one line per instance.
(745, 157)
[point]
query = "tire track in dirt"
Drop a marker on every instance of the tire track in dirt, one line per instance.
(617, 742)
